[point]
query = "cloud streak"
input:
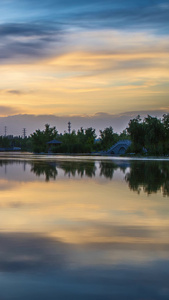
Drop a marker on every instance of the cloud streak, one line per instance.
(7, 110)
(112, 14)
(27, 41)
(76, 56)
(33, 38)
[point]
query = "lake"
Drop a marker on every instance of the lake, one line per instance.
(83, 228)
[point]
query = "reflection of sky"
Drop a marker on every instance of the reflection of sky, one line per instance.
(89, 238)
(48, 268)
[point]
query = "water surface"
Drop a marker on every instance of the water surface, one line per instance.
(73, 228)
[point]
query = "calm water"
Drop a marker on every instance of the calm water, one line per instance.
(83, 229)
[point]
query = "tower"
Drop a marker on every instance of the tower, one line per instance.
(69, 127)
(24, 133)
(5, 130)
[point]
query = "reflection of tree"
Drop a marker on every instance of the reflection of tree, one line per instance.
(47, 169)
(150, 176)
(78, 168)
(72, 168)
(4, 162)
(107, 169)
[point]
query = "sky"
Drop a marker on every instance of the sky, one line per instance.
(83, 59)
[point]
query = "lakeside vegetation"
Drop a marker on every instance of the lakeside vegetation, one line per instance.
(149, 136)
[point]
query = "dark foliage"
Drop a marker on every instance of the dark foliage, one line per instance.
(149, 176)
(149, 136)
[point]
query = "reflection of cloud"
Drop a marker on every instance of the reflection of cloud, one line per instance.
(20, 252)
(51, 269)
(30, 251)
(6, 185)
(123, 237)
(117, 283)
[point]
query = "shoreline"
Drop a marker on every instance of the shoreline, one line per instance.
(78, 156)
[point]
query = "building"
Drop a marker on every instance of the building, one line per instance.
(53, 144)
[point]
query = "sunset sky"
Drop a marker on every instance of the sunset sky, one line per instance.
(81, 58)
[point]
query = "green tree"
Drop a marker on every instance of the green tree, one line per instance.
(90, 136)
(40, 138)
(165, 122)
(82, 142)
(124, 135)
(5, 142)
(154, 135)
(152, 178)
(69, 141)
(108, 138)
(136, 131)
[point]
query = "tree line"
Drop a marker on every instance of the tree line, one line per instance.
(148, 136)
(82, 141)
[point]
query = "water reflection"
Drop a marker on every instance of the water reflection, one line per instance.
(47, 169)
(141, 176)
(78, 168)
(107, 168)
(31, 252)
(87, 233)
(149, 176)
(53, 269)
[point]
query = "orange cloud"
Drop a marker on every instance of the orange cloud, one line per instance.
(125, 73)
